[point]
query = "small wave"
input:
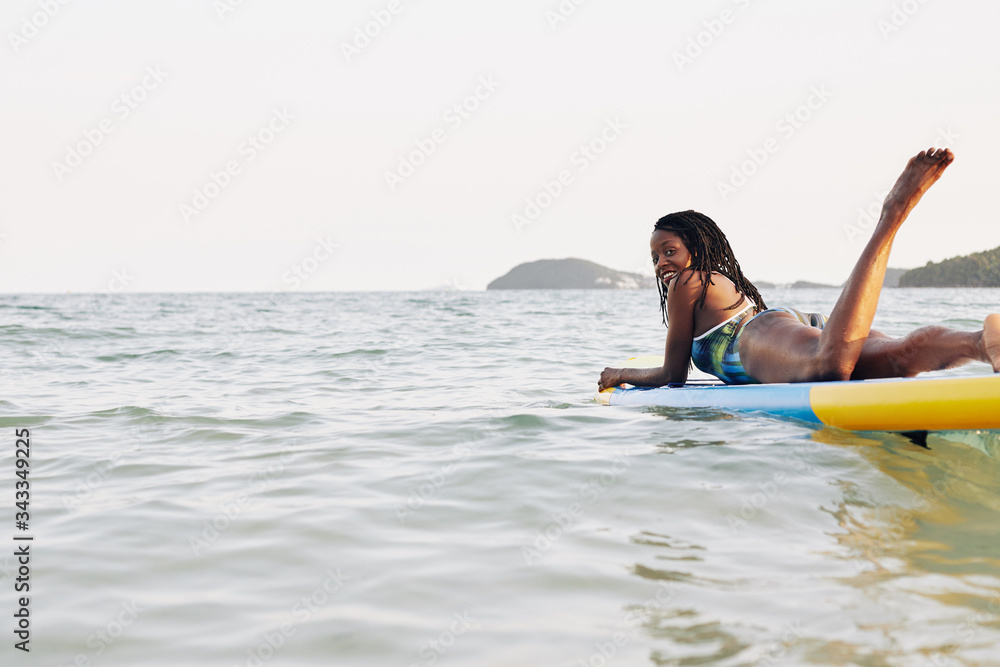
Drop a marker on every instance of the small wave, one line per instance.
(18, 307)
(362, 352)
(125, 356)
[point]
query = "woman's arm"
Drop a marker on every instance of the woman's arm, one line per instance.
(639, 377)
(682, 294)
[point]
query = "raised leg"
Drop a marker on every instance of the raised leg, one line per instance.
(777, 348)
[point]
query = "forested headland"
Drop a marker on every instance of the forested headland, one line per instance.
(980, 269)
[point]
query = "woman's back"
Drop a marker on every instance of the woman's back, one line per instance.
(722, 302)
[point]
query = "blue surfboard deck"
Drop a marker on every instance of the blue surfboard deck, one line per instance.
(895, 404)
(786, 400)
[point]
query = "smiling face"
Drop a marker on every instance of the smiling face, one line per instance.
(670, 255)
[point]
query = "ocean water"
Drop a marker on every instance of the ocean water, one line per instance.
(424, 479)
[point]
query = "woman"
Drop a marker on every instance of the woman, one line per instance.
(719, 321)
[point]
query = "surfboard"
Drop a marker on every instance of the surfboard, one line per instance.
(895, 404)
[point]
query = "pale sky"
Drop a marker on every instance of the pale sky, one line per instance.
(217, 145)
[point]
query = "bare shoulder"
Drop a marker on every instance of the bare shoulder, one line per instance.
(688, 281)
(719, 298)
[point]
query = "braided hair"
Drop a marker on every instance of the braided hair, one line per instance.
(710, 252)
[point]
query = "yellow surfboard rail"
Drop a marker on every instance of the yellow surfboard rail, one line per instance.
(936, 404)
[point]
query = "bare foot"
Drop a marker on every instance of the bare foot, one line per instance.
(921, 172)
(991, 340)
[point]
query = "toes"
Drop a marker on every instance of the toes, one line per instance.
(942, 156)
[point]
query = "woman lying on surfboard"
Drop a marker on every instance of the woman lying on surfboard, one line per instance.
(719, 321)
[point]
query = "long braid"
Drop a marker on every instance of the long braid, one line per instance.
(710, 251)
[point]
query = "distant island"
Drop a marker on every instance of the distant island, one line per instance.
(980, 269)
(892, 277)
(569, 274)
(582, 274)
